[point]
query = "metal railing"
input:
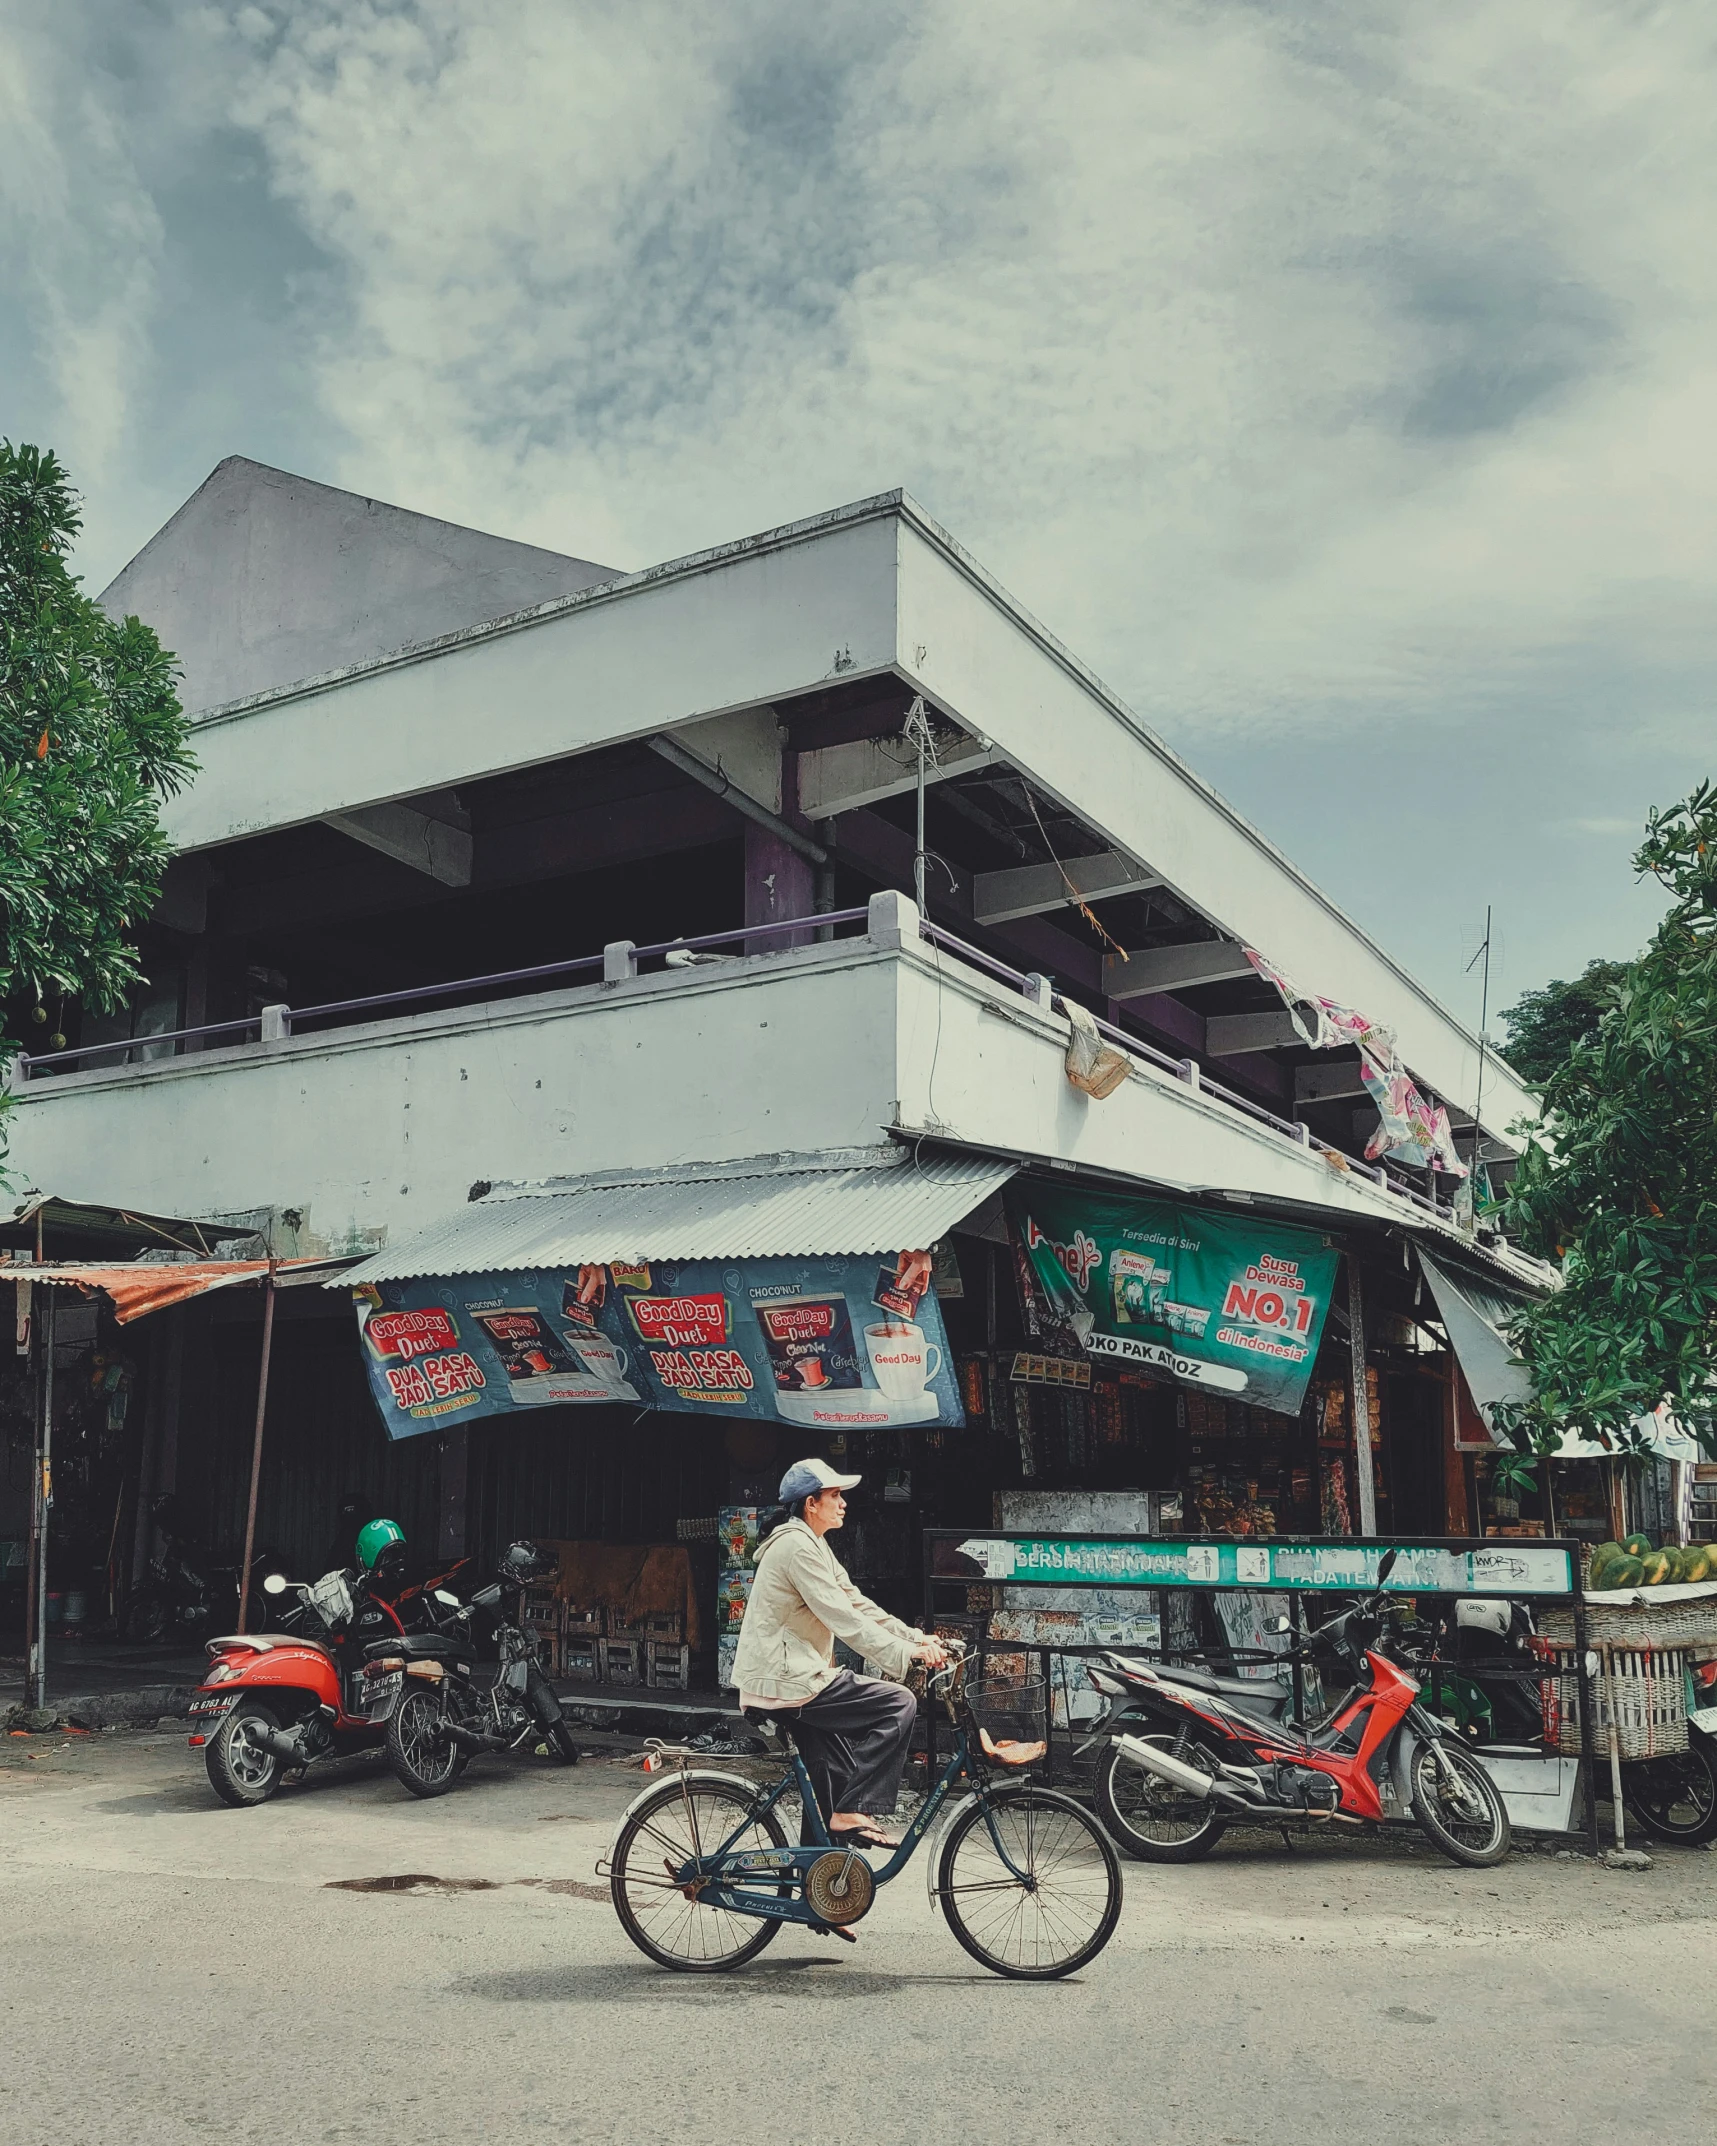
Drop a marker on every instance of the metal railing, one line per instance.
(1194, 1076)
(621, 959)
(279, 1022)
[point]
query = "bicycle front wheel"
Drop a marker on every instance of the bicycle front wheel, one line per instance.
(690, 1816)
(1049, 1913)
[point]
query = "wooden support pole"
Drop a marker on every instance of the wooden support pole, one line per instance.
(256, 1450)
(1364, 1474)
(41, 1505)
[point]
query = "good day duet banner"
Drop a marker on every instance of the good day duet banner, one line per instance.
(827, 1343)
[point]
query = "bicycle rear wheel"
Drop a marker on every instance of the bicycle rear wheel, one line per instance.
(1065, 1912)
(691, 1815)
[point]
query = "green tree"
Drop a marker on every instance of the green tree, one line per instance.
(1543, 1026)
(92, 741)
(1620, 1184)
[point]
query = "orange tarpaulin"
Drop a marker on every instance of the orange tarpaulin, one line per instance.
(138, 1289)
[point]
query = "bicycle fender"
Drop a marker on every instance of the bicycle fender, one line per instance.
(956, 1804)
(700, 1773)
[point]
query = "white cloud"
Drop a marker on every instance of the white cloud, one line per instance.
(1341, 382)
(1294, 368)
(79, 236)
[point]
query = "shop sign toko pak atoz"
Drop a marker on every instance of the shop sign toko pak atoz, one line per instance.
(1230, 1305)
(826, 1343)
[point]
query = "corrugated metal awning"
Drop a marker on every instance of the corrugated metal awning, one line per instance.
(143, 1286)
(854, 1200)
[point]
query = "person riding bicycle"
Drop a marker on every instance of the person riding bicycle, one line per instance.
(852, 1731)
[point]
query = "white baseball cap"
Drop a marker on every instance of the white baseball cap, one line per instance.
(807, 1478)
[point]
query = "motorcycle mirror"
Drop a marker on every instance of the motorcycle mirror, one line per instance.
(274, 1583)
(442, 1595)
(1283, 1624)
(1385, 1566)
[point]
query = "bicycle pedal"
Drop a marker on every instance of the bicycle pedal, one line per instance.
(824, 1929)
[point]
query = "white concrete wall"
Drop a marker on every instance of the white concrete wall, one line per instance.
(630, 658)
(370, 1133)
(980, 1064)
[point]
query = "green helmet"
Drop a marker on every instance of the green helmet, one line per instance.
(374, 1537)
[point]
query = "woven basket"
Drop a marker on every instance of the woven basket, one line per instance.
(1639, 1623)
(1643, 1689)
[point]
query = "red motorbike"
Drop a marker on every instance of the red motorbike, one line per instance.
(273, 1703)
(1191, 1754)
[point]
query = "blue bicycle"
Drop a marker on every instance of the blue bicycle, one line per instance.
(703, 1876)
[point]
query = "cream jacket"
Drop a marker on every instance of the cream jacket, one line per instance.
(801, 1603)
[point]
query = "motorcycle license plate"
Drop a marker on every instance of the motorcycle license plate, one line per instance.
(218, 1703)
(383, 1695)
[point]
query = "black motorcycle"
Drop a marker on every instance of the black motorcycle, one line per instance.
(438, 1714)
(176, 1595)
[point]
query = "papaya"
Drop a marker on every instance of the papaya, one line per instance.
(1623, 1571)
(1696, 1563)
(1603, 1556)
(1637, 1545)
(1658, 1566)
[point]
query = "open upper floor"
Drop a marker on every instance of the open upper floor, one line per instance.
(562, 758)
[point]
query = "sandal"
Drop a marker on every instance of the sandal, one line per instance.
(861, 1837)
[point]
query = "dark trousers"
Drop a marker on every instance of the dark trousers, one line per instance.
(853, 1737)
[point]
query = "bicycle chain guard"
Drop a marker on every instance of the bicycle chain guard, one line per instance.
(840, 1886)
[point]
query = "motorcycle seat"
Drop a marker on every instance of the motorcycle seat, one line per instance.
(1256, 1691)
(420, 1646)
(264, 1642)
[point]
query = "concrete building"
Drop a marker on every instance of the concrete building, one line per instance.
(462, 800)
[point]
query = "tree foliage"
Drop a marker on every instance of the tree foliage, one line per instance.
(92, 740)
(1621, 1183)
(1544, 1026)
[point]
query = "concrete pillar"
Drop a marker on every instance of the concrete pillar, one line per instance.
(893, 920)
(779, 884)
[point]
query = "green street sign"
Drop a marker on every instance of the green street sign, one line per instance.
(1500, 1568)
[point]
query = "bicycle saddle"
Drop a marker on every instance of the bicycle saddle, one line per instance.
(766, 1718)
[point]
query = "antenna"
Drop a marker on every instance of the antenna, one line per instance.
(916, 731)
(1484, 1017)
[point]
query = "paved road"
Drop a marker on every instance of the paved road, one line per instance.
(172, 1971)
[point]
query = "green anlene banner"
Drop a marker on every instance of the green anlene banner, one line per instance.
(1225, 1303)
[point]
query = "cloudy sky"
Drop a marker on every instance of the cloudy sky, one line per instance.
(1337, 379)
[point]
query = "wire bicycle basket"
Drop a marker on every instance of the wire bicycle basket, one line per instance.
(1011, 1714)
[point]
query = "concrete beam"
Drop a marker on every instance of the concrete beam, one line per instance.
(1028, 890)
(1232, 1035)
(842, 778)
(1327, 1083)
(434, 847)
(1173, 968)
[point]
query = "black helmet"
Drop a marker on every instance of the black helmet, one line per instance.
(523, 1562)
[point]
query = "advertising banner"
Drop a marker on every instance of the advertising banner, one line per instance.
(829, 1344)
(1223, 1302)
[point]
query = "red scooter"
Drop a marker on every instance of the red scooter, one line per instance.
(273, 1703)
(1191, 1754)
